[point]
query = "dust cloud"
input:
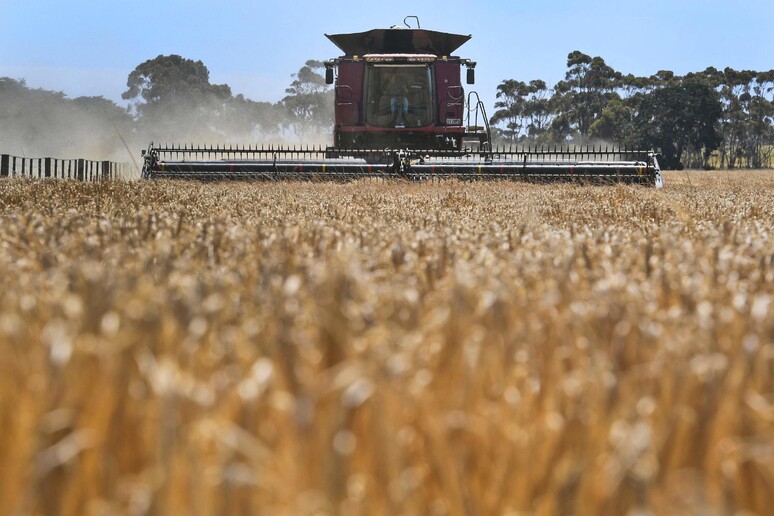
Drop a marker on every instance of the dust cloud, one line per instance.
(40, 123)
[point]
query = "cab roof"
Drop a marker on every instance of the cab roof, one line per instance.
(398, 40)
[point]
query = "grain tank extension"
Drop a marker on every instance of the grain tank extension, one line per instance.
(401, 111)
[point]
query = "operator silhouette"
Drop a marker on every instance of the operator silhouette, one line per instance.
(399, 103)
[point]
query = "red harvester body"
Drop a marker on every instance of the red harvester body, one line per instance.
(401, 88)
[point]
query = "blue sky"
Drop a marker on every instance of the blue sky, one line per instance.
(89, 47)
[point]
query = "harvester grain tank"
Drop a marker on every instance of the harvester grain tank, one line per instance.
(401, 111)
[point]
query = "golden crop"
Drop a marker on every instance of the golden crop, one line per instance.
(387, 348)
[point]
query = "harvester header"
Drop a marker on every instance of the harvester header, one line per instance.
(401, 110)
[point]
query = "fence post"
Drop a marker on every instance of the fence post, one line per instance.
(79, 169)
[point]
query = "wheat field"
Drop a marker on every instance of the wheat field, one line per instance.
(383, 348)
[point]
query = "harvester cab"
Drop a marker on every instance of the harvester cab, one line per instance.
(401, 111)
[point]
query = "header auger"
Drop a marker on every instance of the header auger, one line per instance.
(401, 112)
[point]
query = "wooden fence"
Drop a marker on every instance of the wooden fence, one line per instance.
(78, 169)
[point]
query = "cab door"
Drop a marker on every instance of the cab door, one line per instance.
(450, 96)
(349, 93)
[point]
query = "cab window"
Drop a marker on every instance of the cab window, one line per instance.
(398, 95)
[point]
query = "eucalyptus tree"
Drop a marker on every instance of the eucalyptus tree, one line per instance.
(172, 98)
(308, 105)
(523, 110)
(589, 85)
(680, 119)
(761, 120)
(734, 89)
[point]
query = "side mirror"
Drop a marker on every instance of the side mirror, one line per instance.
(328, 75)
(471, 76)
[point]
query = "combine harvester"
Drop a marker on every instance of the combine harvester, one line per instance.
(401, 112)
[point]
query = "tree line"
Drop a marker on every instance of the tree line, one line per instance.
(707, 119)
(714, 118)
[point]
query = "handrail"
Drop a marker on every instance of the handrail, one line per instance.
(479, 106)
(454, 100)
(341, 88)
(409, 26)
